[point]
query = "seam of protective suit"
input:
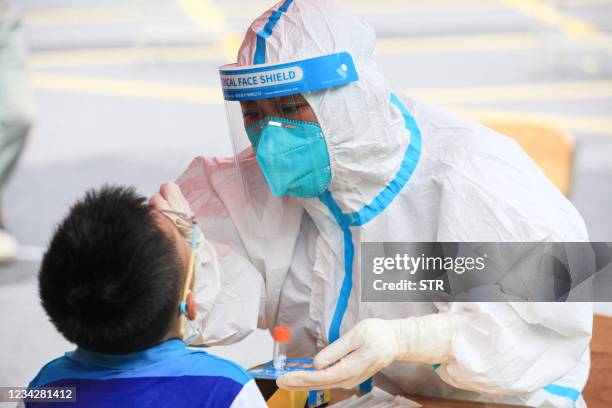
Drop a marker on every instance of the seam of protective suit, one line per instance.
(260, 51)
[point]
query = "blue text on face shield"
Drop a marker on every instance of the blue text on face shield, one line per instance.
(263, 79)
(278, 77)
(271, 81)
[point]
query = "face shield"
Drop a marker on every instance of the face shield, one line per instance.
(278, 143)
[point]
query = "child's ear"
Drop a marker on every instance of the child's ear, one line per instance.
(191, 307)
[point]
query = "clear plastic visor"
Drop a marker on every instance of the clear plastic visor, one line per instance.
(280, 154)
(279, 148)
(247, 119)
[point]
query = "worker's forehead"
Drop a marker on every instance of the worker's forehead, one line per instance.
(275, 101)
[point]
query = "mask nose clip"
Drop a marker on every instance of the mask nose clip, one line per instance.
(279, 124)
(257, 128)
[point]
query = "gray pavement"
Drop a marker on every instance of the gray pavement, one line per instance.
(131, 118)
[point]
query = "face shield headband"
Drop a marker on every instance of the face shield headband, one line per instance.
(279, 146)
(247, 83)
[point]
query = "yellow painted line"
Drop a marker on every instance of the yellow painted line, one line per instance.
(206, 14)
(557, 91)
(575, 3)
(554, 91)
(125, 56)
(457, 43)
(571, 122)
(547, 14)
(405, 6)
(212, 95)
(127, 88)
(82, 15)
(212, 16)
(245, 10)
(226, 50)
(212, 19)
(252, 9)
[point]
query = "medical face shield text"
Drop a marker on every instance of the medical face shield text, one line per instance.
(299, 77)
(280, 149)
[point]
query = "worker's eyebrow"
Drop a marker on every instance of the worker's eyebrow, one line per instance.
(297, 98)
(248, 104)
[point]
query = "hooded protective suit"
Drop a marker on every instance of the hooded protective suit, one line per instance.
(402, 171)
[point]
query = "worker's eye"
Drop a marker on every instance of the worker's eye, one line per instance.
(292, 109)
(250, 115)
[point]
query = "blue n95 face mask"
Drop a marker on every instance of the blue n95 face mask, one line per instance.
(292, 155)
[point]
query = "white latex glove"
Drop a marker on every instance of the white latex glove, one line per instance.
(171, 202)
(372, 345)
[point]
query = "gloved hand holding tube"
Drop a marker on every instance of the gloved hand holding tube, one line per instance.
(372, 345)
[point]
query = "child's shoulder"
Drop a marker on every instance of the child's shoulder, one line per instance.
(208, 364)
(195, 363)
(43, 377)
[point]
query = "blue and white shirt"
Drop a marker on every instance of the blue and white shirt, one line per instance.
(167, 375)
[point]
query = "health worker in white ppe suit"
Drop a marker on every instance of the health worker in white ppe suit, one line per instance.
(329, 155)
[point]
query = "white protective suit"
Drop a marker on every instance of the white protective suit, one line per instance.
(402, 171)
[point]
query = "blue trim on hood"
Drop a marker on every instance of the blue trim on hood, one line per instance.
(563, 391)
(411, 159)
(266, 32)
(349, 255)
(368, 212)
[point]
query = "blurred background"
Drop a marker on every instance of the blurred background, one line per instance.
(127, 91)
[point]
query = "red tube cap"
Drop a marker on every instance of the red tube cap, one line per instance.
(282, 334)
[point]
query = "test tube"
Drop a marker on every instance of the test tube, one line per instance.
(282, 336)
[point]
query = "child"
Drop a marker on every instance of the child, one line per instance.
(115, 281)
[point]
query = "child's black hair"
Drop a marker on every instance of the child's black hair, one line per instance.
(110, 279)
